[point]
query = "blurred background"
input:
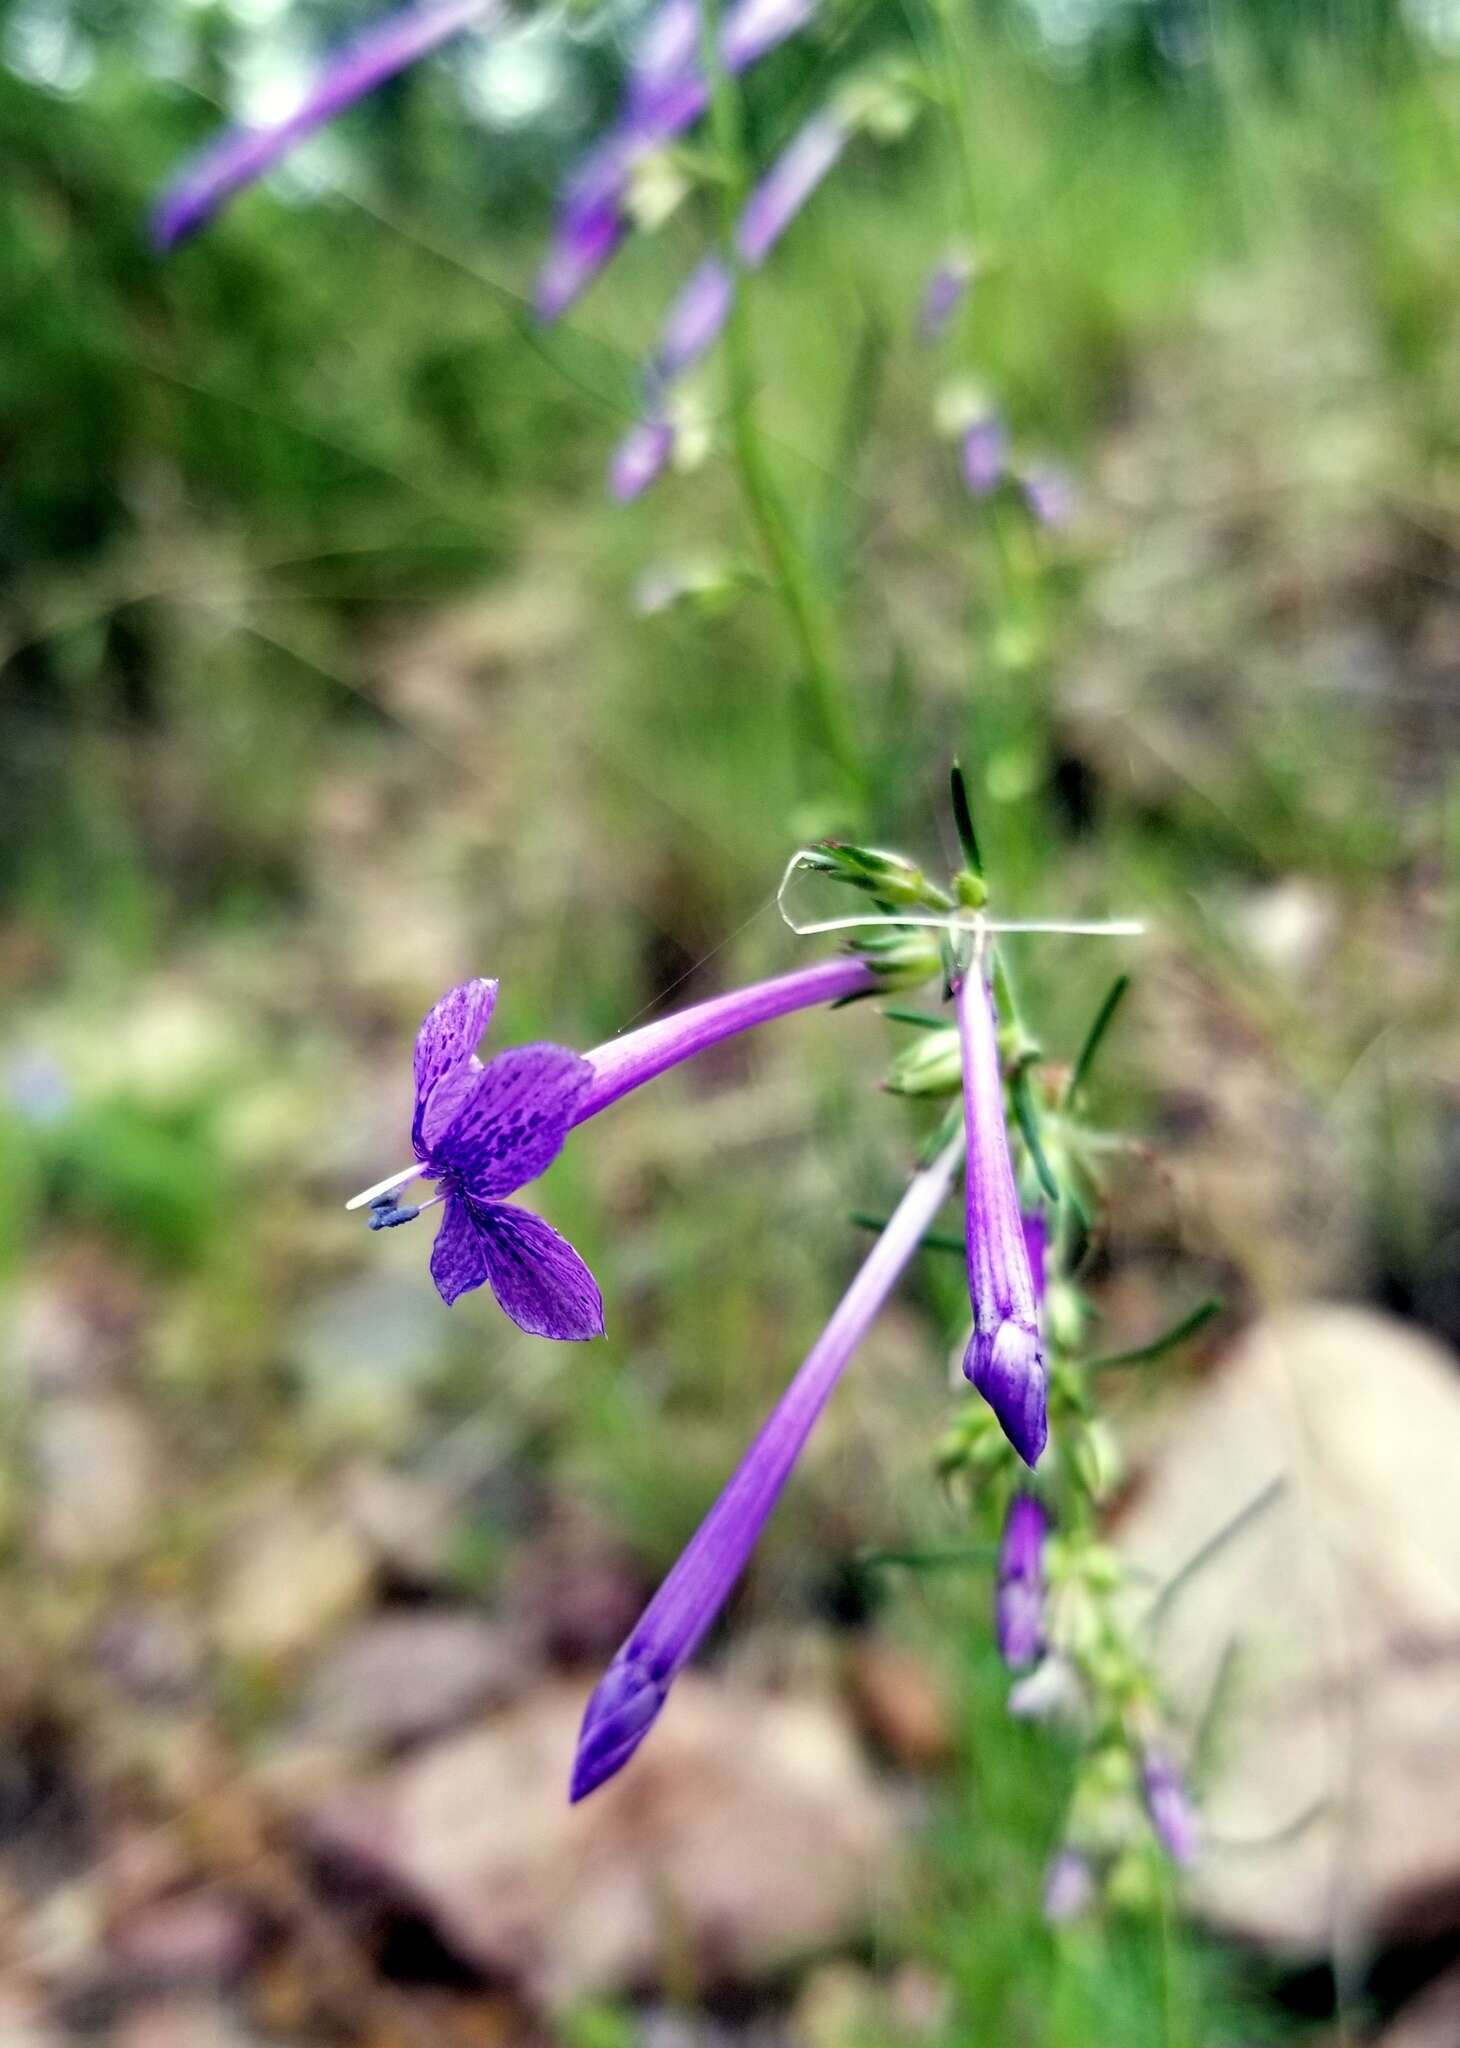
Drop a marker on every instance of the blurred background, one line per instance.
(331, 677)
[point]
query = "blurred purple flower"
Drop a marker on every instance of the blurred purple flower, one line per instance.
(943, 295)
(788, 184)
(631, 1692)
(1049, 493)
(1168, 1803)
(984, 454)
(243, 155)
(639, 459)
(1019, 1597)
(38, 1088)
(482, 1132)
(695, 320)
(1069, 1887)
(666, 93)
(1005, 1359)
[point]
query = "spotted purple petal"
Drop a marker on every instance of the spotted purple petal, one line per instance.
(244, 155)
(451, 1031)
(497, 1127)
(457, 1263)
(536, 1275)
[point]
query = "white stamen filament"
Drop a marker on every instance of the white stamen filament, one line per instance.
(383, 1187)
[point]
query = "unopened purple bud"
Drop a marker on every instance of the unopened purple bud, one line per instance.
(943, 295)
(1168, 1803)
(788, 184)
(244, 155)
(640, 459)
(693, 322)
(985, 455)
(1005, 1358)
(1019, 1596)
(1069, 1887)
(751, 28)
(1049, 492)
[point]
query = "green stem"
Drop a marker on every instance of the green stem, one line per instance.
(806, 613)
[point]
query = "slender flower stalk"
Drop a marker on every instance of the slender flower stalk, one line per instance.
(244, 155)
(1005, 1358)
(631, 1692)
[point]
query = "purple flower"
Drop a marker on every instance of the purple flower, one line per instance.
(482, 1132)
(788, 184)
(1005, 1359)
(244, 155)
(1069, 1887)
(1168, 1803)
(694, 322)
(943, 295)
(640, 458)
(633, 1689)
(984, 455)
(1049, 493)
(1019, 1598)
(666, 93)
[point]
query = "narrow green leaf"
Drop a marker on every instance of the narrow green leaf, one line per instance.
(1028, 1119)
(963, 820)
(1080, 1072)
(1146, 1354)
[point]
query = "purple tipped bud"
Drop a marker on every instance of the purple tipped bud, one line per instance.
(1069, 1887)
(639, 459)
(622, 1709)
(943, 295)
(1168, 1803)
(1019, 1598)
(788, 184)
(1050, 495)
(1005, 1359)
(984, 455)
(673, 1625)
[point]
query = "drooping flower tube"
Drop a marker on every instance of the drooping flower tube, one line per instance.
(666, 93)
(244, 155)
(482, 1131)
(629, 1696)
(1019, 1593)
(1005, 1358)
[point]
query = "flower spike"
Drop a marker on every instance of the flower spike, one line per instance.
(628, 1697)
(1005, 1358)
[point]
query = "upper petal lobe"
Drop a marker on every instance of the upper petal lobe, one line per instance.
(449, 1035)
(499, 1126)
(537, 1276)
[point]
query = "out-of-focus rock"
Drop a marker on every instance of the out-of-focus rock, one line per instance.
(365, 1349)
(837, 2003)
(184, 2020)
(1432, 2020)
(196, 1937)
(576, 1588)
(747, 1832)
(405, 1676)
(96, 1474)
(153, 1650)
(407, 1523)
(295, 1574)
(1289, 926)
(1325, 1625)
(900, 1703)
